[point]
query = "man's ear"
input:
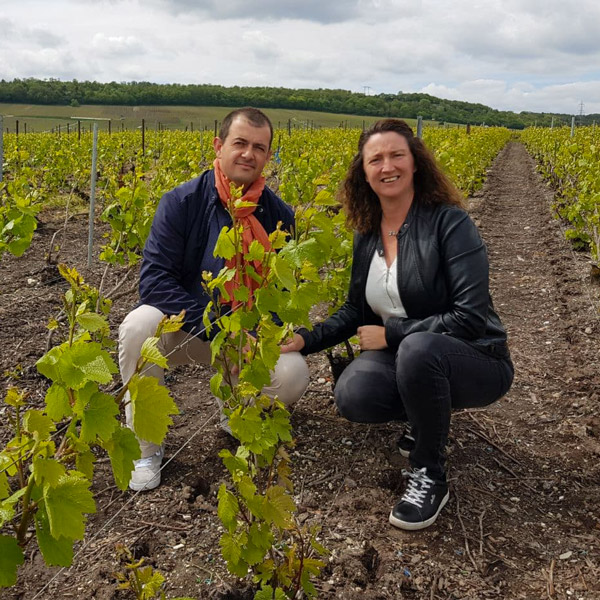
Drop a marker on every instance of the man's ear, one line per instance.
(217, 145)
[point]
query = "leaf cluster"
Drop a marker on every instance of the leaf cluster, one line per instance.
(570, 164)
(257, 509)
(46, 469)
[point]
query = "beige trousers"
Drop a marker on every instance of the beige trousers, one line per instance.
(289, 379)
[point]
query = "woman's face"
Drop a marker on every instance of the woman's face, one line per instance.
(389, 166)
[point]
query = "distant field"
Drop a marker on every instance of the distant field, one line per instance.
(33, 117)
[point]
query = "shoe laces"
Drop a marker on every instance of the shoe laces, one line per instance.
(417, 487)
(147, 462)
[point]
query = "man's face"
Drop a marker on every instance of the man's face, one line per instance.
(244, 152)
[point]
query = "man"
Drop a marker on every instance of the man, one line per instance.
(180, 247)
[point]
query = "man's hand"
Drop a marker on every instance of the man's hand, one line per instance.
(294, 345)
(371, 337)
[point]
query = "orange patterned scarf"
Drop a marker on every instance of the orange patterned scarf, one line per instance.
(252, 230)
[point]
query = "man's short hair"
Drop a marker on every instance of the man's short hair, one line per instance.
(254, 116)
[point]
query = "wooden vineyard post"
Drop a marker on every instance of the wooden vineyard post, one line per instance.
(420, 127)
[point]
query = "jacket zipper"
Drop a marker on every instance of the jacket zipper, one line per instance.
(387, 278)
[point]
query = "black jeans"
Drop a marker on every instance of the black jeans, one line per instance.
(421, 383)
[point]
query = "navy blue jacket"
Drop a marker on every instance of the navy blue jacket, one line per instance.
(180, 246)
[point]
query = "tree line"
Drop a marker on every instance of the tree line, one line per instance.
(143, 93)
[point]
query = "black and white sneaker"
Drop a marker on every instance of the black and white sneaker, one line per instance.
(421, 502)
(406, 444)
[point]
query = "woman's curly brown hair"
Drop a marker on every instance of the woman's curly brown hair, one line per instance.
(432, 186)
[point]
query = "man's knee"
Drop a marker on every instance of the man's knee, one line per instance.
(138, 325)
(290, 378)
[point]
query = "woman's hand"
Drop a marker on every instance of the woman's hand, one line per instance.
(294, 345)
(371, 337)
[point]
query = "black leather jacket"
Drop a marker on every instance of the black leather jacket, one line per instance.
(443, 280)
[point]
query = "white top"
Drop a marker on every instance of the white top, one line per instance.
(382, 289)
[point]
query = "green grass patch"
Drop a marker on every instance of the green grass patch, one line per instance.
(36, 118)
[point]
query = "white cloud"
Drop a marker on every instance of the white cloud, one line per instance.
(309, 10)
(523, 96)
(117, 45)
(541, 55)
(262, 46)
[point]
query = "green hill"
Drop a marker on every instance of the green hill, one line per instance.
(74, 94)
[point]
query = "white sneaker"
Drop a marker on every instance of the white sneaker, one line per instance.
(146, 472)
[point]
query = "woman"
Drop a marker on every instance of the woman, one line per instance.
(419, 302)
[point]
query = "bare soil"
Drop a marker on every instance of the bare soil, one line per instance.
(523, 519)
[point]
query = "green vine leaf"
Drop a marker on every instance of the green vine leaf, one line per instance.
(95, 363)
(225, 246)
(85, 459)
(57, 551)
(267, 593)
(99, 418)
(279, 507)
(284, 273)
(66, 505)
(11, 556)
(15, 397)
(123, 448)
(261, 536)
(74, 366)
(4, 487)
(36, 422)
(48, 471)
(235, 464)
(171, 323)
(151, 581)
(152, 354)
(246, 425)
(280, 425)
(57, 402)
(92, 322)
(228, 508)
(152, 406)
(256, 251)
(231, 548)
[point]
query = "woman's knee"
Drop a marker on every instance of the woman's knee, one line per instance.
(346, 404)
(349, 397)
(417, 354)
(366, 391)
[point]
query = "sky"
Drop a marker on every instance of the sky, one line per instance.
(519, 55)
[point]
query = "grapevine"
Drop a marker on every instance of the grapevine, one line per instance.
(570, 164)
